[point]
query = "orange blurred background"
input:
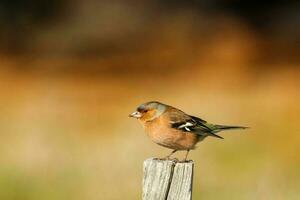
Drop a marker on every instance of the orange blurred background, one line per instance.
(72, 71)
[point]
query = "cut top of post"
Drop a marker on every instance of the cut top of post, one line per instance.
(167, 179)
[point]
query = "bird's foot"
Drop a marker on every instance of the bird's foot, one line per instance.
(164, 158)
(174, 160)
(185, 161)
(168, 158)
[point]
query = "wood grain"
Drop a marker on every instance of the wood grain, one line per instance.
(167, 180)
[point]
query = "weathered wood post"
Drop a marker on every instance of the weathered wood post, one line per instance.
(167, 180)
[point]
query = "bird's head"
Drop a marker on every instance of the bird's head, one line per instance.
(148, 111)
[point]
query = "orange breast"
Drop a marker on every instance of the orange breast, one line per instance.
(162, 134)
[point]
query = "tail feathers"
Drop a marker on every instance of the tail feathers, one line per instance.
(215, 135)
(218, 128)
(224, 127)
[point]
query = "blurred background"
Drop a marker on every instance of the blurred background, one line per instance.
(72, 71)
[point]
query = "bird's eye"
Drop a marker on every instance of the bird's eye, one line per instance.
(142, 110)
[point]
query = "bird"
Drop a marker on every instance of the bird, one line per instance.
(174, 129)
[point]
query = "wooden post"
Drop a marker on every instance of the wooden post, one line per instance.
(167, 180)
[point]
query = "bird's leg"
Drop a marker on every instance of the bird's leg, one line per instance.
(186, 155)
(168, 156)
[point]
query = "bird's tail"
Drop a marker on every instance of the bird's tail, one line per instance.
(224, 127)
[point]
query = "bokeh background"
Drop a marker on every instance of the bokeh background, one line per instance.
(72, 71)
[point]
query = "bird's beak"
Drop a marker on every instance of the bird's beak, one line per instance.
(135, 114)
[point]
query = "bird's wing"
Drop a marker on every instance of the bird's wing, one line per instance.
(203, 127)
(181, 121)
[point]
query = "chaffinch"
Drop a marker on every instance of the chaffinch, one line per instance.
(174, 129)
